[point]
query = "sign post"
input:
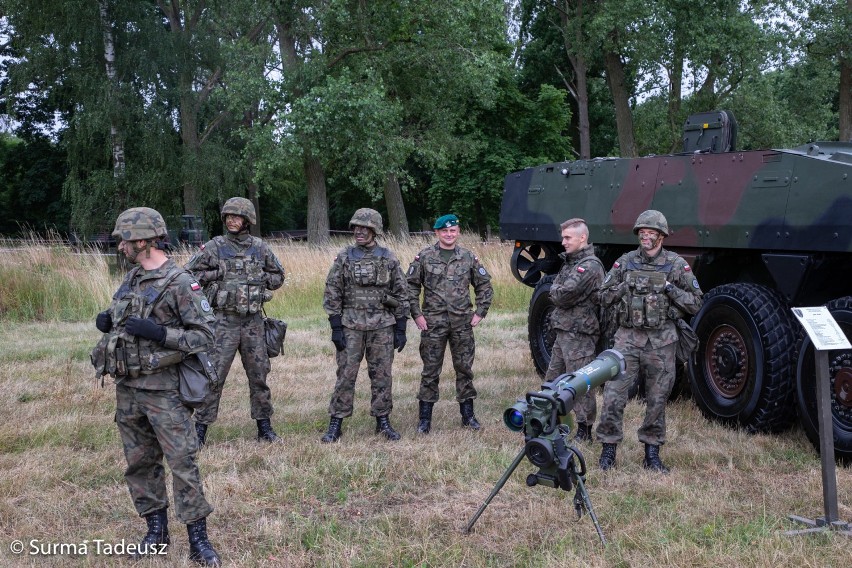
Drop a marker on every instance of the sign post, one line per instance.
(825, 334)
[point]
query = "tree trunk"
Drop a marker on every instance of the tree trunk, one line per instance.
(621, 100)
(846, 97)
(118, 164)
(397, 220)
(317, 202)
(580, 89)
(675, 98)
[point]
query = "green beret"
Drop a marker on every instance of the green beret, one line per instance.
(446, 221)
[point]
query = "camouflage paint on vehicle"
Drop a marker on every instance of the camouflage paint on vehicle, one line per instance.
(763, 230)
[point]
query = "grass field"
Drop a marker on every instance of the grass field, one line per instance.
(365, 501)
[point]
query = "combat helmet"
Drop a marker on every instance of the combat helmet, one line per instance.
(369, 218)
(651, 219)
(138, 224)
(239, 206)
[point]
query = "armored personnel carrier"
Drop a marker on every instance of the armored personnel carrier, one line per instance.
(764, 231)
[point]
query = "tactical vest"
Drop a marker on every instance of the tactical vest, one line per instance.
(645, 305)
(370, 275)
(120, 354)
(241, 289)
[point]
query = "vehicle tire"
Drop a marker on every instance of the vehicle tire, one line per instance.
(840, 375)
(741, 373)
(541, 333)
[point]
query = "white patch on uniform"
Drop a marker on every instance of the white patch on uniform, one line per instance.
(411, 269)
(608, 277)
(482, 271)
(695, 283)
(205, 305)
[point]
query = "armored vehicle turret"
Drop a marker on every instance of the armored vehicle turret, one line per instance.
(764, 231)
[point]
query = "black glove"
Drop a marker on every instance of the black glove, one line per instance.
(146, 328)
(399, 339)
(337, 332)
(104, 322)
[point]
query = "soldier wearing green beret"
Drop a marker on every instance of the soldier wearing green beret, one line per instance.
(445, 272)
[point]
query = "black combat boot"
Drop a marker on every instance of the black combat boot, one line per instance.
(425, 417)
(652, 459)
(468, 419)
(265, 433)
(334, 430)
(607, 460)
(201, 432)
(200, 549)
(383, 426)
(158, 534)
(584, 432)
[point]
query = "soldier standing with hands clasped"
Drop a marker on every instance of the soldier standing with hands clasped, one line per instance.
(574, 293)
(445, 272)
(156, 318)
(649, 289)
(366, 300)
(239, 272)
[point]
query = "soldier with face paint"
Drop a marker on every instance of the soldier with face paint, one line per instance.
(366, 300)
(239, 273)
(157, 317)
(649, 289)
(445, 272)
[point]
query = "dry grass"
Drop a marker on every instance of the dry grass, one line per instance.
(367, 502)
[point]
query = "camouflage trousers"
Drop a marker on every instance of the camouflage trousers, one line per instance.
(433, 345)
(571, 352)
(154, 424)
(244, 334)
(657, 366)
(377, 345)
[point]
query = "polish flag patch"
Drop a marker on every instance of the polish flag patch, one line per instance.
(687, 268)
(616, 265)
(580, 269)
(195, 286)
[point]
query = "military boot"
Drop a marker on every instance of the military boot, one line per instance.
(158, 533)
(468, 419)
(201, 432)
(383, 426)
(265, 433)
(334, 431)
(200, 549)
(652, 459)
(425, 417)
(584, 432)
(607, 460)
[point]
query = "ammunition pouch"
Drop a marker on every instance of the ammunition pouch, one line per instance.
(242, 289)
(370, 275)
(645, 305)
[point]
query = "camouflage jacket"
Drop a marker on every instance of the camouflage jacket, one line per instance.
(635, 288)
(366, 286)
(446, 285)
(180, 306)
(236, 271)
(574, 292)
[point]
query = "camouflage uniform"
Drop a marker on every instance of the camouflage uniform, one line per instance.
(574, 293)
(151, 419)
(238, 273)
(448, 312)
(647, 335)
(366, 288)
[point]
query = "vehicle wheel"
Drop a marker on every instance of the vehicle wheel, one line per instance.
(541, 333)
(741, 373)
(840, 376)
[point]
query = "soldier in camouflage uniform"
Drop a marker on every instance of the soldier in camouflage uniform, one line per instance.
(156, 318)
(649, 289)
(366, 300)
(238, 272)
(445, 272)
(574, 293)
